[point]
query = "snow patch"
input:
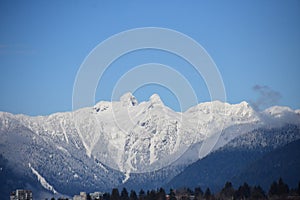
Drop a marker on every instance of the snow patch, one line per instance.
(42, 180)
(63, 150)
(127, 176)
(101, 166)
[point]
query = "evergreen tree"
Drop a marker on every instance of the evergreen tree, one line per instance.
(207, 194)
(106, 196)
(228, 191)
(283, 189)
(257, 193)
(147, 195)
(151, 195)
(273, 189)
(278, 189)
(198, 193)
(172, 195)
(124, 194)
(161, 195)
(133, 195)
(243, 192)
(189, 191)
(141, 195)
(115, 194)
(88, 197)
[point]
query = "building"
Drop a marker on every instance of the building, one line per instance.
(91, 196)
(21, 195)
(81, 196)
(96, 196)
(76, 197)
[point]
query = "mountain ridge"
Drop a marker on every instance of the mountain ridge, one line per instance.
(112, 140)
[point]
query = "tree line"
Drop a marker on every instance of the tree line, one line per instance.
(277, 190)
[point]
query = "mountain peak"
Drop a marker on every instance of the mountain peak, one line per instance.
(245, 104)
(278, 109)
(155, 99)
(128, 99)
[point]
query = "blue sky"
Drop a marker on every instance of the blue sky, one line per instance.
(255, 44)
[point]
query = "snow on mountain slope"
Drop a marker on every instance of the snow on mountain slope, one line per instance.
(65, 166)
(278, 115)
(133, 137)
(42, 180)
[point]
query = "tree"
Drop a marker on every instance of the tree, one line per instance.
(283, 189)
(278, 189)
(273, 189)
(133, 195)
(88, 197)
(228, 191)
(124, 194)
(115, 194)
(198, 193)
(189, 191)
(106, 196)
(257, 193)
(161, 195)
(243, 192)
(207, 194)
(151, 195)
(172, 195)
(142, 194)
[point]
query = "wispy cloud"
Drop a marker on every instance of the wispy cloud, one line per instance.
(266, 97)
(6, 49)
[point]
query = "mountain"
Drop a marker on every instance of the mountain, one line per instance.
(283, 162)
(126, 143)
(258, 158)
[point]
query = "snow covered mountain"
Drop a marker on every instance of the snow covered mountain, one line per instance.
(100, 146)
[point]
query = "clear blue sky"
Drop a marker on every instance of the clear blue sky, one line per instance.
(255, 44)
